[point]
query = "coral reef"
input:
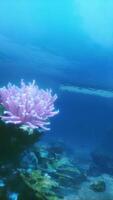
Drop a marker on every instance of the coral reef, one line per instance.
(41, 176)
(27, 105)
(13, 140)
(41, 185)
(37, 171)
(44, 172)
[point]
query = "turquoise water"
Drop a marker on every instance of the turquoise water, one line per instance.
(66, 46)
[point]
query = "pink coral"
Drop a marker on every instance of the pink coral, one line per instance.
(27, 105)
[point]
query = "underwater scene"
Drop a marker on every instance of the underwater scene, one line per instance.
(56, 100)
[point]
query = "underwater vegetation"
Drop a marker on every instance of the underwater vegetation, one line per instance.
(24, 114)
(27, 105)
(30, 170)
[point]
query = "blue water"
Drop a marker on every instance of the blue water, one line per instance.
(62, 42)
(65, 45)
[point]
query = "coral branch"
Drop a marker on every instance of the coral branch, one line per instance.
(27, 105)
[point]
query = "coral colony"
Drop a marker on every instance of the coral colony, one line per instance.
(27, 105)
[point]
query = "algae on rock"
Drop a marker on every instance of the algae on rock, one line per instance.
(42, 185)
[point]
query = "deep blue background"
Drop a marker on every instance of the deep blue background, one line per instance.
(62, 42)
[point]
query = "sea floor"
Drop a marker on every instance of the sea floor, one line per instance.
(32, 170)
(52, 171)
